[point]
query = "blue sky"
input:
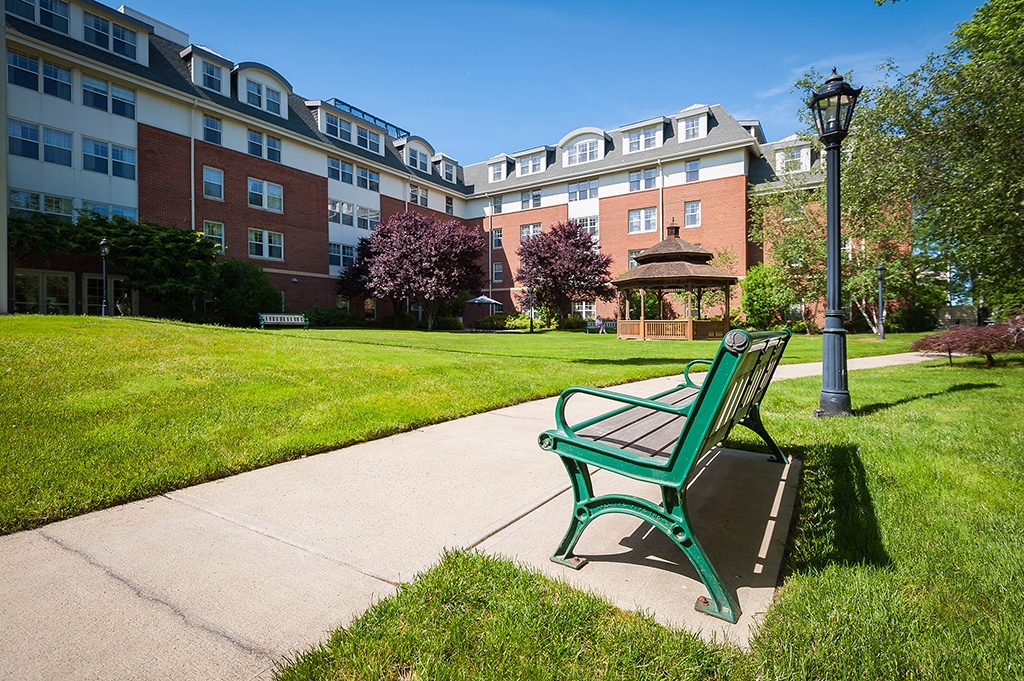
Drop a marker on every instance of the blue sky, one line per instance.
(480, 78)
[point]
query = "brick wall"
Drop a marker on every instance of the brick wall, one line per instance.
(509, 223)
(164, 191)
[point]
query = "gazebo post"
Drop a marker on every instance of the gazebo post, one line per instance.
(643, 321)
(726, 319)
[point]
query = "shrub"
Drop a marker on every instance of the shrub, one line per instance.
(242, 291)
(328, 317)
(573, 323)
(495, 321)
(447, 323)
(986, 341)
(520, 321)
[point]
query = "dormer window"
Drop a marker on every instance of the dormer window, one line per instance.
(646, 138)
(53, 14)
(25, 10)
(792, 160)
(338, 127)
(449, 171)
(582, 152)
(211, 76)
(497, 172)
(691, 128)
(368, 139)
(532, 164)
(125, 42)
(97, 31)
(254, 93)
(273, 101)
(418, 160)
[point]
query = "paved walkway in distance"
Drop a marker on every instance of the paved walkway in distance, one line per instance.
(225, 579)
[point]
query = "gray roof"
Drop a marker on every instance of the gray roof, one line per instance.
(169, 69)
(763, 177)
(723, 130)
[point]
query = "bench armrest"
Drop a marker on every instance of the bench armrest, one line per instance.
(686, 371)
(564, 428)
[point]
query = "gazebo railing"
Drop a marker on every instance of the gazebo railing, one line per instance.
(672, 329)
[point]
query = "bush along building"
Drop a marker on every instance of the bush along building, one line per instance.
(113, 111)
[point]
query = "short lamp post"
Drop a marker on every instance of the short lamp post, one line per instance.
(104, 252)
(833, 110)
(880, 270)
(531, 309)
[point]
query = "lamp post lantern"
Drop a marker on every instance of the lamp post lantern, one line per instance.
(104, 251)
(881, 301)
(832, 106)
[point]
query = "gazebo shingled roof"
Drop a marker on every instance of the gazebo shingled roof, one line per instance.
(674, 264)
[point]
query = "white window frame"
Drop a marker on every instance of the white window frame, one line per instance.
(449, 171)
(61, 142)
(530, 199)
(631, 256)
(214, 230)
(692, 171)
(496, 238)
(497, 272)
(641, 139)
(211, 176)
(26, 132)
(367, 179)
(449, 205)
(254, 143)
(212, 76)
(254, 93)
(583, 190)
(210, 131)
(271, 195)
(642, 180)
(368, 139)
(60, 76)
(583, 151)
(691, 214)
(418, 160)
(267, 241)
(55, 15)
(529, 231)
(274, 101)
(274, 149)
(691, 128)
(532, 164)
(496, 171)
(367, 218)
(642, 220)
(19, 63)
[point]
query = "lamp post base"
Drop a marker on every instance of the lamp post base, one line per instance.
(833, 404)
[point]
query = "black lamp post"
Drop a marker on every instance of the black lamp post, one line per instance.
(880, 270)
(833, 109)
(104, 251)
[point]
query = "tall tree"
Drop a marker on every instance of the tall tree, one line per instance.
(425, 260)
(562, 267)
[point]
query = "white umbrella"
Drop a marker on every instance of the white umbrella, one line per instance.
(484, 300)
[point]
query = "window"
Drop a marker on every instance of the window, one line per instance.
(589, 225)
(643, 179)
(497, 171)
(57, 81)
(333, 211)
(23, 204)
(94, 93)
(793, 160)
(254, 93)
(256, 143)
(417, 159)
(643, 220)
(334, 255)
(122, 101)
(496, 238)
(25, 10)
(348, 213)
(368, 139)
(214, 231)
(581, 152)
(449, 205)
(691, 128)
(95, 155)
(632, 257)
(122, 161)
(449, 172)
(211, 129)
(367, 179)
(266, 195)
(23, 70)
(57, 147)
(42, 292)
(213, 183)
(54, 14)
(273, 149)
(266, 244)
(527, 231)
(531, 199)
(97, 31)
(108, 210)
(646, 138)
(339, 170)
(367, 218)
(692, 171)
(124, 42)
(337, 127)
(211, 76)
(273, 101)
(417, 195)
(348, 256)
(692, 211)
(587, 189)
(528, 165)
(60, 206)
(22, 139)
(586, 309)
(497, 272)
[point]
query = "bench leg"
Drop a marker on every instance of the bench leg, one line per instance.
(754, 423)
(583, 491)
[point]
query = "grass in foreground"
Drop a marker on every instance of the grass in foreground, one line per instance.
(95, 412)
(906, 561)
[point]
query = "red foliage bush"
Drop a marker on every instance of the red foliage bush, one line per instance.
(987, 341)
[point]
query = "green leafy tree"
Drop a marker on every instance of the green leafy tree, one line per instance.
(242, 291)
(767, 295)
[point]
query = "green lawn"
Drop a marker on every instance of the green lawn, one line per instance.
(905, 561)
(95, 412)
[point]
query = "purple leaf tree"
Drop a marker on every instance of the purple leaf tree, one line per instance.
(563, 266)
(425, 260)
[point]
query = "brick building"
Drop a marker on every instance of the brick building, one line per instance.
(113, 111)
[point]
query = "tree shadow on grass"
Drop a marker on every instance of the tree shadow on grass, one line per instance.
(834, 520)
(869, 409)
(638, 361)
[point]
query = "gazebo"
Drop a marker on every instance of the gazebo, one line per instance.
(674, 265)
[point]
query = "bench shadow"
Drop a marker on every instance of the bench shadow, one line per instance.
(869, 409)
(833, 521)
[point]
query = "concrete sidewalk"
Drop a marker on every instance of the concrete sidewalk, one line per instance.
(226, 579)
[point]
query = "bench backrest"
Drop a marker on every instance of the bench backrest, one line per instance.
(736, 382)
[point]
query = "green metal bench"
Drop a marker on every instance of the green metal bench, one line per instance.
(659, 440)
